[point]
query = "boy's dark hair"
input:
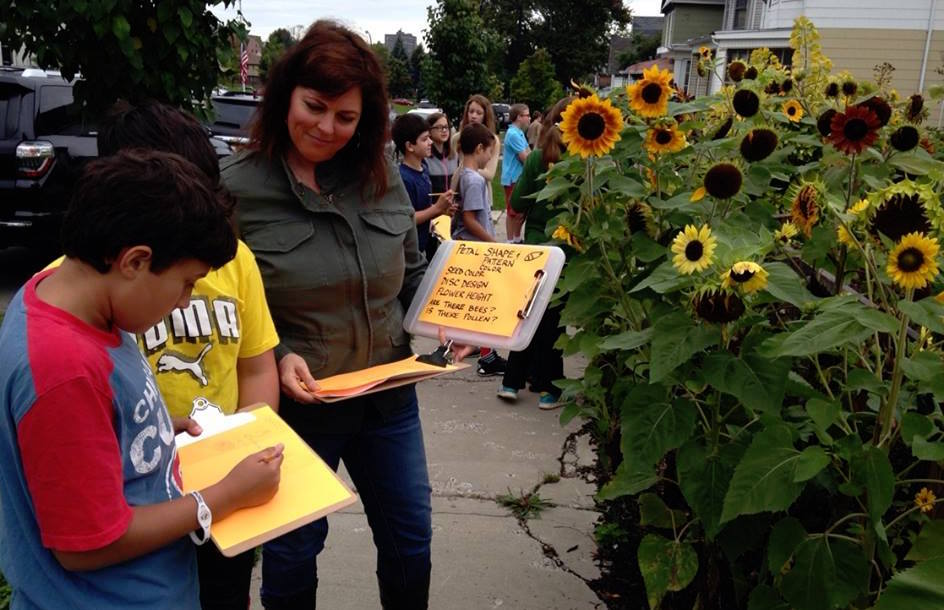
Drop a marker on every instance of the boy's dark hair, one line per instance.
(515, 111)
(149, 198)
(156, 126)
(406, 128)
(474, 134)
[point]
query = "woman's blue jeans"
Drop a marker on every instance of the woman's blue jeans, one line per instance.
(387, 463)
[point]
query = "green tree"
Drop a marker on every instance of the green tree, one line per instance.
(576, 33)
(399, 81)
(458, 44)
(417, 59)
(641, 48)
(399, 52)
(279, 40)
(132, 49)
(535, 83)
(513, 21)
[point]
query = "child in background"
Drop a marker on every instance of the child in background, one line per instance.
(93, 513)
(474, 223)
(215, 355)
(413, 143)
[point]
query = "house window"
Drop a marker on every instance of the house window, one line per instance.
(740, 15)
(785, 56)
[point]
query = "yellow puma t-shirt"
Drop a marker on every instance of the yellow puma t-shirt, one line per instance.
(193, 351)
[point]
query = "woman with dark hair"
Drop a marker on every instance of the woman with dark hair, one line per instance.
(540, 358)
(332, 229)
(444, 161)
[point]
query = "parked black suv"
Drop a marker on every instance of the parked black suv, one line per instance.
(44, 142)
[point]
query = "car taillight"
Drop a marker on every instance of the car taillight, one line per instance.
(33, 159)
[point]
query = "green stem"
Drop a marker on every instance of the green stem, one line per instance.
(910, 481)
(886, 414)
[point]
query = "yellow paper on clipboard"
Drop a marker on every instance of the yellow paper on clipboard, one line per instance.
(308, 489)
(483, 286)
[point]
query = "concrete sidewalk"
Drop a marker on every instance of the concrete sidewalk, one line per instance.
(479, 447)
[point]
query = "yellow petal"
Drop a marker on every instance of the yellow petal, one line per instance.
(699, 194)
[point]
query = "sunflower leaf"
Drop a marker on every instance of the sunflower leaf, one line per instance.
(677, 338)
(926, 312)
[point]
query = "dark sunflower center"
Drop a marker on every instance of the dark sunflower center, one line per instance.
(694, 250)
(591, 126)
(910, 260)
(900, 215)
(663, 137)
(651, 93)
(637, 220)
(743, 276)
(855, 129)
(791, 110)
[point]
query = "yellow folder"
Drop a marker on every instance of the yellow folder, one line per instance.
(308, 490)
(380, 377)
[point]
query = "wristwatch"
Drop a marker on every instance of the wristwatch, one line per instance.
(204, 518)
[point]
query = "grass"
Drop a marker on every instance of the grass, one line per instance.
(401, 108)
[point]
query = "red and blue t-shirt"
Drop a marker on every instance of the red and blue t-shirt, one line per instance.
(84, 436)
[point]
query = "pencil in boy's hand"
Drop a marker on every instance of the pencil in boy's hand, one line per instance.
(274, 453)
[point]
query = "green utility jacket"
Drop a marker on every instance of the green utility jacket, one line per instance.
(537, 214)
(339, 271)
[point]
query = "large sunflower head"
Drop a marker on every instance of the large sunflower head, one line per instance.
(664, 137)
(649, 96)
(693, 249)
(723, 180)
(758, 144)
(793, 110)
(903, 208)
(718, 305)
(747, 276)
(746, 102)
(913, 262)
(807, 201)
(591, 126)
(854, 130)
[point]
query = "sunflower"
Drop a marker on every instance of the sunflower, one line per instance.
(772, 88)
(914, 110)
(718, 305)
(880, 107)
(639, 218)
(650, 95)
(723, 181)
(746, 103)
(724, 129)
(912, 264)
(749, 277)
(905, 207)
(793, 110)
(832, 89)
(824, 122)
(591, 126)
(849, 87)
(664, 138)
(854, 130)
(693, 249)
(804, 210)
(561, 233)
(859, 206)
(736, 70)
(786, 232)
(787, 85)
(904, 138)
(925, 499)
(843, 236)
(758, 144)
(751, 73)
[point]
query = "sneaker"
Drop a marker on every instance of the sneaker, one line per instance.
(548, 401)
(506, 393)
(492, 366)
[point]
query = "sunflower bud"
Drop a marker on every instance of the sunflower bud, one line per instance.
(849, 88)
(880, 107)
(914, 110)
(787, 85)
(832, 90)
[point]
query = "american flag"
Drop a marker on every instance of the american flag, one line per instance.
(243, 64)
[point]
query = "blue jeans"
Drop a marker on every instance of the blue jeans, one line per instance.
(387, 463)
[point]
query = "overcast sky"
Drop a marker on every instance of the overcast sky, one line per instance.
(373, 18)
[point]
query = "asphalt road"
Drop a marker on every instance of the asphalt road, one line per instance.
(16, 266)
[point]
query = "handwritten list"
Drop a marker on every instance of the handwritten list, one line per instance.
(483, 286)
